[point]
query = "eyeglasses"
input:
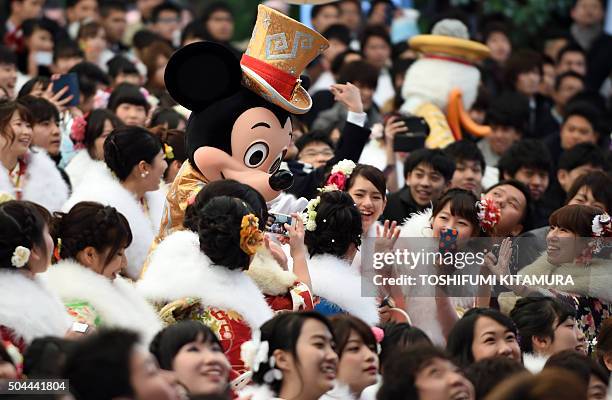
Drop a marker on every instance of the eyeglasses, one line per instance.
(311, 153)
(169, 20)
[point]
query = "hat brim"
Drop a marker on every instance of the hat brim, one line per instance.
(437, 44)
(300, 103)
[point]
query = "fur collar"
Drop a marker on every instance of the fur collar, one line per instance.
(257, 392)
(417, 225)
(594, 280)
(117, 302)
(102, 187)
(79, 166)
(269, 276)
(43, 182)
(534, 362)
(179, 269)
(335, 280)
(339, 392)
(29, 308)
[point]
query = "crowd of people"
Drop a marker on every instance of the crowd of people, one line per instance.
(133, 272)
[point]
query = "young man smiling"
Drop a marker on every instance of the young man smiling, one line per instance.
(428, 174)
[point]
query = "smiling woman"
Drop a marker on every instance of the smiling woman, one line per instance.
(25, 174)
(193, 352)
(300, 361)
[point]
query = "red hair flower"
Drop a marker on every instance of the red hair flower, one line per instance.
(77, 132)
(488, 213)
(337, 179)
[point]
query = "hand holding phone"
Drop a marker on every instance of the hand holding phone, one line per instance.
(72, 83)
(414, 137)
(276, 223)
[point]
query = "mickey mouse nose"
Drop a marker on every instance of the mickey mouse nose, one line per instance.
(281, 180)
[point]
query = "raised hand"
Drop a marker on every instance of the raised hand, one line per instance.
(348, 95)
(386, 236)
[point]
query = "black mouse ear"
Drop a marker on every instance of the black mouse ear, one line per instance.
(202, 73)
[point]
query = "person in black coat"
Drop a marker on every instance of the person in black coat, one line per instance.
(428, 173)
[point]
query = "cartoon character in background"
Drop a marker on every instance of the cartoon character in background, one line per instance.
(442, 84)
(240, 126)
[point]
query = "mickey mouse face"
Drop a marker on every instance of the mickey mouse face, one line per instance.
(261, 139)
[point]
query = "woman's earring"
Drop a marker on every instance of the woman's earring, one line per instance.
(144, 174)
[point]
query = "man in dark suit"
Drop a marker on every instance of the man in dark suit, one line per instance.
(428, 173)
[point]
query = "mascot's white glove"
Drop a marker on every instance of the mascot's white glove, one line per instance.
(286, 203)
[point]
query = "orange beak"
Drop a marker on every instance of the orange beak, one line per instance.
(459, 119)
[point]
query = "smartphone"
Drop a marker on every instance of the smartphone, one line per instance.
(71, 80)
(276, 223)
(414, 138)
(448, 240)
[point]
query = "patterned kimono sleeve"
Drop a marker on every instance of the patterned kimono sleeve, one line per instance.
(84, 312)
(14, 345)
(301, 297)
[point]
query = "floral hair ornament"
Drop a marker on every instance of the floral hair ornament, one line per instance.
(58, 250)
(488, 213)
(379, 335)
(600, 228)
(254, 352)
(77, 132)
(168, 152)
(20, 257)
(310, 215)
(251, 237)
(340, 173)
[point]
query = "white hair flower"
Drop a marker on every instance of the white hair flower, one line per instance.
(21, 255)
(310, 215)
(254, 352)
(344, 166)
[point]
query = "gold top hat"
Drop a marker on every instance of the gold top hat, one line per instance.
(450, 39)
(279, 50)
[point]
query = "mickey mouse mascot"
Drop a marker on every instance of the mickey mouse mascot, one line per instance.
(239, 126)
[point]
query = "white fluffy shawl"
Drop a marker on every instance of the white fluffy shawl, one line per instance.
(102, 187)
(594, 280)
(30, 308)
(117, 302)
(43, 182)
(422, 309)
(178, 269)
(534, 362)
(335, 280)
(79, 166)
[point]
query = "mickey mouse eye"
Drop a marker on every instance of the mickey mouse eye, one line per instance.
(256, 155)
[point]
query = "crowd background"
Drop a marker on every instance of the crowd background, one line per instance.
(221, 310)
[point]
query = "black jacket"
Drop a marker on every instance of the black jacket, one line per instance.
(400, 205)
(306, 181)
